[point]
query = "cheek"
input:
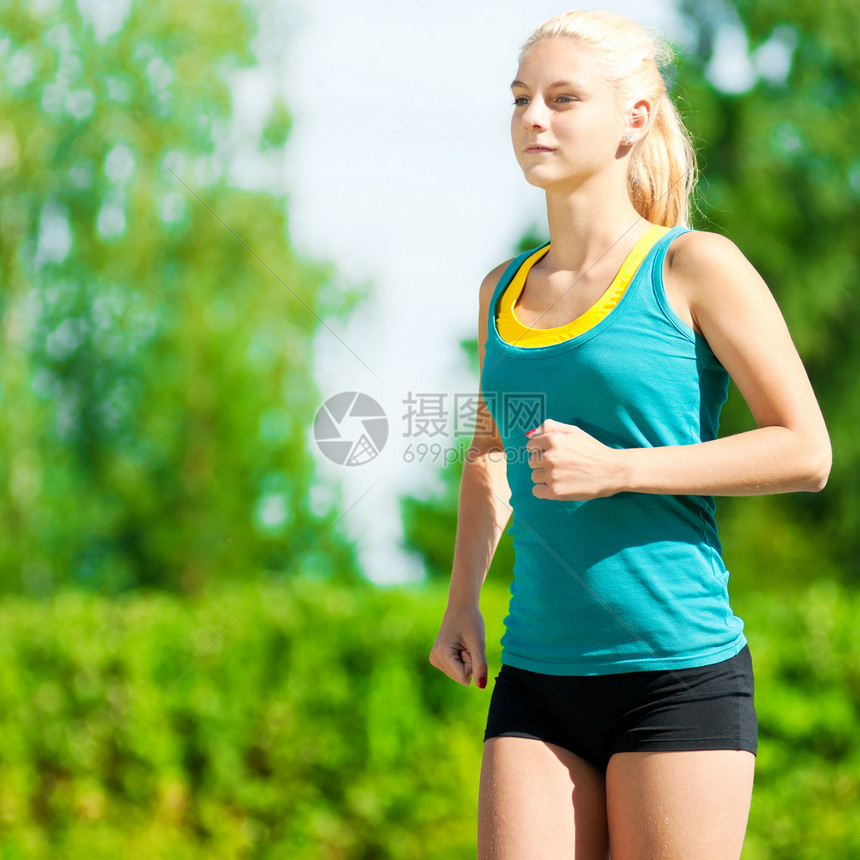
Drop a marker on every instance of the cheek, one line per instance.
(516, 135)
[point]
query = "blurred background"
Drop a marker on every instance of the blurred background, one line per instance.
(216, 216)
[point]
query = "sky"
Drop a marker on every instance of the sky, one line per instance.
(400, 171)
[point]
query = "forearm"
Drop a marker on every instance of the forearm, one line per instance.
(765, 460)
(482, 517)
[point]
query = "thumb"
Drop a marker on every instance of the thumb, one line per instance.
(481, 673)
(476, 664)
(549, 425)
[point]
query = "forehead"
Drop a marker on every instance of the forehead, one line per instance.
(560, 58)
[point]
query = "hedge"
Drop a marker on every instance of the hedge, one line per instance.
(309, 724)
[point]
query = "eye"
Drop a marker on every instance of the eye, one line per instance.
(567, 99)
(521, 100)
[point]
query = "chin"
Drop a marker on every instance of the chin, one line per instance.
(537, 178)
(544, 182)
(557, 181)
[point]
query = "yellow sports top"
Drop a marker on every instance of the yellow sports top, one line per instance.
(514, 332)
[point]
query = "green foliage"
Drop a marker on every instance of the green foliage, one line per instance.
(310, 724)
(278, 125)
(156, 325)
(806, 655)
(315, 728)
(782, 179)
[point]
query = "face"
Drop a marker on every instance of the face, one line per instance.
(566, 126)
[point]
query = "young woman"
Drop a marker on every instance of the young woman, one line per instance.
(623, 713)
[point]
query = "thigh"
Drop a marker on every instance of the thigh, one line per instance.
(670, 805)
(538, 800)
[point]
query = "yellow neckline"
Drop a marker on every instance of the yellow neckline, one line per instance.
(515, 332)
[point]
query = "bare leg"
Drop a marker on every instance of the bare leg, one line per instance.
(678, 805)
(539, 801)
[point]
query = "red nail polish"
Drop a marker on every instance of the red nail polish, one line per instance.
(482, 682)
(529, 432)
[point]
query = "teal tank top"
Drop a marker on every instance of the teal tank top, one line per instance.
(634, 581)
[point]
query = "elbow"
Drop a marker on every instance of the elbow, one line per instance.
(818, 471)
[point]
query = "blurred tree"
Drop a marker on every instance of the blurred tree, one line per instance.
(776, 127)
(157, 327)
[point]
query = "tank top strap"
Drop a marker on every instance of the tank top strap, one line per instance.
(657, 292)
(505, 280)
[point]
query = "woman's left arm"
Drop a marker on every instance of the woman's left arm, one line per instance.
(713, 287)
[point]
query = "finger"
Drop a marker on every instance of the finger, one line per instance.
(478, 658)
(449, 659)
(479, 672)
(539, 475)
(465, 659)
(537, 446)
(544, 427)
(550, 425)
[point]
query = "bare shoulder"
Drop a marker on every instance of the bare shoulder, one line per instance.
(699, 262)
(700, 254)
(707, 274)
(491, 281)
(488, 287)
(728, 301)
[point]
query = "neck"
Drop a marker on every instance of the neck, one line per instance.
(584, 224)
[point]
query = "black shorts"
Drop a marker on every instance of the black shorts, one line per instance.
(595, 716)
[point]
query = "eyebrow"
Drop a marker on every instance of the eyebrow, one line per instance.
(551, 86)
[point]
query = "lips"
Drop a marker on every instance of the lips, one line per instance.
(538, 148)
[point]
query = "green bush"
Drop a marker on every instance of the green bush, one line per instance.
(316, 728)
(309, 724)
(806, 655)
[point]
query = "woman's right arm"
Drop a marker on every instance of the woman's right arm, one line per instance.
(483, 514)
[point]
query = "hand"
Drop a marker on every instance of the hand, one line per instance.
(568, 464)
(460, 650)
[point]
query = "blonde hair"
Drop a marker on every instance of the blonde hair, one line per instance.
(662, 167)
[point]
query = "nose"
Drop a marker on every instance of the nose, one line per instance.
(534, 116)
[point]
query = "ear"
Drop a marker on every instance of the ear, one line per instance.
(638, 118)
